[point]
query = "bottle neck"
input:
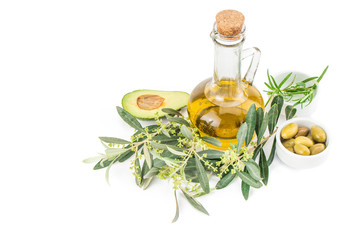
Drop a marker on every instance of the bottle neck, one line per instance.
(226, 88)
(227, 62)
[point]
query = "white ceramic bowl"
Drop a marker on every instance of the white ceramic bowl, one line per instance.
(299, 161)
(299, 76)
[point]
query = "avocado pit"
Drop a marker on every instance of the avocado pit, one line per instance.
(149, 102)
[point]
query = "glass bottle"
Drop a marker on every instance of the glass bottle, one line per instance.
(218, 105)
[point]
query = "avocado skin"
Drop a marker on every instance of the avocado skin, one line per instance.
(173, 99)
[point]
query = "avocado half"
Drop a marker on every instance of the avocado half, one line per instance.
(144, 104)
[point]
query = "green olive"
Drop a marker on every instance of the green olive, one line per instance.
(301, 149)
(317, 148)
(289, 143)
(291, 149)
(304, 141)
(303, 131)
(318, 134)
(289, 131)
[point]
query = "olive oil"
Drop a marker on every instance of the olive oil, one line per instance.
(222, 117)
(218, 106)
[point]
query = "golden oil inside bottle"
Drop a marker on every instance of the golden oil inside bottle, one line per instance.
(218, 111)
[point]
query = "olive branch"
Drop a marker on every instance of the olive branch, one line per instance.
(175, 151)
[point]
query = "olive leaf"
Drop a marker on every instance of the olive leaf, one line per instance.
(147, 182)
(186, 132)
(93, 159)
(212, 141)
(273, 112)
(165, 132)
(290, 112)
(253, 169)
(264, 168)
(279, 101)
(211, 154)
(171, 111)
(251, 123)
(241, 135)
(245, 189)
(108, 170)
(262, 128)
(259, 119)
(129, 119)
(177, 209)
(151, 173)
(272, 153)
(203, 178)
(196, 204)
(247, 178)
(178, 120)
(114, 140)
(114, 151)
(147, 156)
(225, 180)
(173, 151)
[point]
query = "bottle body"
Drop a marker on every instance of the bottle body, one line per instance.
(222, 121)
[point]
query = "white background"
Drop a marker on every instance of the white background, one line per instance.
(65, 65)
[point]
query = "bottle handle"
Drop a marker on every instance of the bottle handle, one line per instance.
(255, 53)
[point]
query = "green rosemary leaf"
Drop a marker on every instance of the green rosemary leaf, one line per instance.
(269, 86)
(279, 101)
(129, 119)
(212, 141)
(241, 135)
(147, 156)
(290, 112)
(285, 79)
(262, 128)
(114, 140)
(309, 79)
(253, 169)
(196, 204)
(275, 84)
(322, 74)
(264, 168)
(186, 132)
(225, 180)
(211, 154)
(251, 122)
(178, 120)
(273, 113)
(272, 153)
(175, 151)
(268, 75)
(203, 178)
(171, 111)
(259, 119)
(247, 178)
(177, 209)
(245, 189)
(93, 159)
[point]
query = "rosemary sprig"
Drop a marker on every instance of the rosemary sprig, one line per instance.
(298, 93)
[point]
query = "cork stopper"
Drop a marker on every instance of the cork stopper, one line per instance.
(229, 22)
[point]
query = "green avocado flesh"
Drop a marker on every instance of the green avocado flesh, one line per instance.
(144, 104)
